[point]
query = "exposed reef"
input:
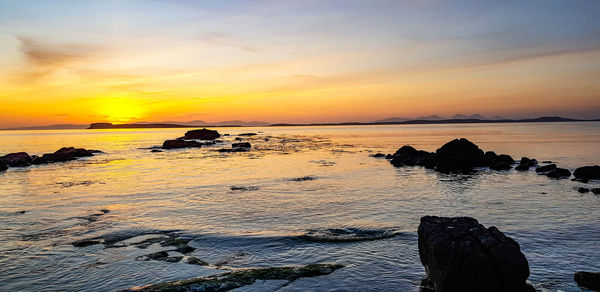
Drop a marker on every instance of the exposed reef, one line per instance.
(22, 159)
(232, 280)
(201, 134)
(348, 234)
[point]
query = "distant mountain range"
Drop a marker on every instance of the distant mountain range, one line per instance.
(432, 119)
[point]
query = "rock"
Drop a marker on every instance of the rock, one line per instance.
(178, 143)
(498, 162)
(559, 173)
(409, 156)
(239, 138)
(303, 178)
(235, 279)
(583, 190)
(528, 161)
(490, 157)
(241, 145)
(3, 165)
(36, 160)
(596, 191)
(459, 156)
(202, 134)
(389, 156)
(247, 134)
(196, 261)
(156, 150)
(505, 158)
(19, 159)
(522, 167)
(501, 166)
(588, 280)
(85, 242)
(546, 168)
(459, 254)
(377, 155)
(75, 152)
(587, 172)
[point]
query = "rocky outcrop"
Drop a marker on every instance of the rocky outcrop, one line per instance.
(587, 172)
(546, 168)
(409, 156)
(241, 145)
(3, 165)
(201, 134)
(526, 163)
(235, 279)
(588, 280)
(22, 159)
(559, 173)
(459, 156)
(19, 159)
(459, 254)
(180, 143)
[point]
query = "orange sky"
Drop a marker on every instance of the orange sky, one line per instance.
(120, 62)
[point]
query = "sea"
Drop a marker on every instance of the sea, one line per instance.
(279, 203)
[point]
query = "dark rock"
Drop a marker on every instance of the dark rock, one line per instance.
(19, 159)
(20, 212)
(546, 168)
(501, 166)
(196, 261)
(241, 145)
(36, 160)
(409, 156)
(505, 158)
(596, 191)
(3, 165)
(235, 279)
(583, 190)
(75, 152)
(459, 156)
(85, 242)
(104, 211)
(377, 155)
(157, 150)
(303, 178)
(239, 138)
(559, 173)
(348, 234)
(176, 144)
(242, 188)
(247, 134)
(528, 161)
(522, 167)
(587, 172)
(202, 134)
(490, 157)
(546, 161)
(588, 280)
(389, 156)
(459, 254)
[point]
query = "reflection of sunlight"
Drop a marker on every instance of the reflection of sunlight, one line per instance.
(120, 110)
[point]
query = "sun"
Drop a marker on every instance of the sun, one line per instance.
(120, 110)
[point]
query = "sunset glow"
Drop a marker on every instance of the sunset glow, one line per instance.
(308, 61)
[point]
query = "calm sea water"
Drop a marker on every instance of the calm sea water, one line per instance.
(189, 190)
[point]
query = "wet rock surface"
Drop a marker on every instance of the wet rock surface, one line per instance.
(459, 254)
(241, 145)
(559, 173)
(22, 159)
(179, 143)
(587, 172)
(232, 280)
(347, 234)
(201, 134)
(545, 168)
(409, 156)
(588, 280)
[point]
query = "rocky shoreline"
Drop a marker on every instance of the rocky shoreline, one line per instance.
(22, 159)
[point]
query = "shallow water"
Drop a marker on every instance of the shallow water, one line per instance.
(249, 209)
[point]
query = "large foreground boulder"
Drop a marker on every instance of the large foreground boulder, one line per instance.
(407, 155)
(587, 172)
(459, 254)
(459, 156)
(19, 159)
(202, 134)
(588, 280)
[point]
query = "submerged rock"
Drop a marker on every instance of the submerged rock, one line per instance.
(378, 155)
(347, 234)
(247, 134)
(241, 145)
(231, 280)
(407, 155)
(19, 159)
(304, 178)
(545, 168)
(159, 256)
(196, 261)
(459, 156)
(588, 280)
(558, 173)
(179, 143)
(596, 191)
(459, 254)
(244, 188)
(587, 172)
(202, 134)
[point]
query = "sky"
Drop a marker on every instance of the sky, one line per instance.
(295, 61)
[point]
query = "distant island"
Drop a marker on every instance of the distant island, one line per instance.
(382, 122)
